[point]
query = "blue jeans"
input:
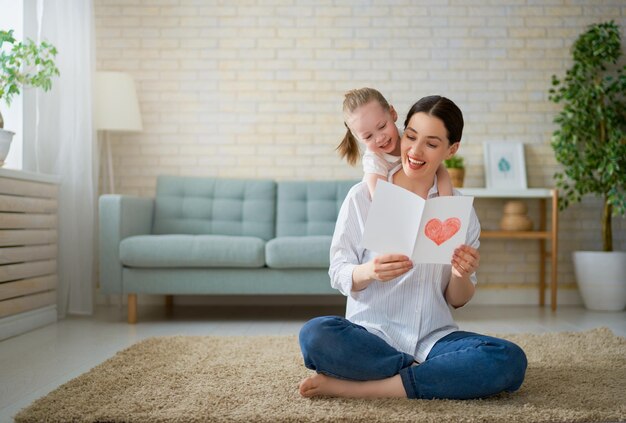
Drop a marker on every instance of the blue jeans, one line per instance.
(461, 365)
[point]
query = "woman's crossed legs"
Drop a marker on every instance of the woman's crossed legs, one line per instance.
(352, 362)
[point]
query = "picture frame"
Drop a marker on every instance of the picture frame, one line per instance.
(505, 165)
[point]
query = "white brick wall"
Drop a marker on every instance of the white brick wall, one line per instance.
(253, 89)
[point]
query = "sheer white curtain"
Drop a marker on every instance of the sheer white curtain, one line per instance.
(65, 144)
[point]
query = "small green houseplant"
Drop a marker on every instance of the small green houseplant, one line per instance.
(23, 64)
(590, 141)
(454, 162)
(456, 169)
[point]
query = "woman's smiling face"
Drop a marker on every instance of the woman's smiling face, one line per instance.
(424, 146)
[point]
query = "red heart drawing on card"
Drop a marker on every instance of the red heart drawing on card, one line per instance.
(441, 232)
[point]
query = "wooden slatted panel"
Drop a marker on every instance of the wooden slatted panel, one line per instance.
(11, 203)
(27, 221)
(29, 302)
(27, 253)
(27, 188)
(27, 286)
(11, 272)
(27, 237)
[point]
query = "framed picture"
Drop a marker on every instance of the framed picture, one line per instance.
(505, 166)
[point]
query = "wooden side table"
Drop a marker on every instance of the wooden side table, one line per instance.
(543, 235)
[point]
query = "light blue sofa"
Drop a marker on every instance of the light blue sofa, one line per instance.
(219, 236)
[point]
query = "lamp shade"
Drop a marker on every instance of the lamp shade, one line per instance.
(116, 106)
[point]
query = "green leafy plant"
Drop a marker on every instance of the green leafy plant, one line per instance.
(24, 64)
(454, 162)
(590, 142)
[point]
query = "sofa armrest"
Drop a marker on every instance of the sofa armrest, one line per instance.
(120, 216)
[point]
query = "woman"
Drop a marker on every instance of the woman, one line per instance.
(399, 338)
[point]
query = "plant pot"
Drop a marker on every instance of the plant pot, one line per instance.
(601, 278)
(457, 175)
(5, 142)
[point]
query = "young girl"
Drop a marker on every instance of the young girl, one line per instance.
(372, 120)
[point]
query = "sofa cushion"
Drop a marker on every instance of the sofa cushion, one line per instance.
(291, 252)
(309, 207)
(192, 251)
(198, 206)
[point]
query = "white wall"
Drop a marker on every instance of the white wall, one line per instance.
(253, 89)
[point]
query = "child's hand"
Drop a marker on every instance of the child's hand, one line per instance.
(389, 266)
(465, 261)
(444, 182)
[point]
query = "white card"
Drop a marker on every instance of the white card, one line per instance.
(393, 220)
(428, 231)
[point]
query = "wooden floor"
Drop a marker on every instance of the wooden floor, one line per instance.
(33, 364)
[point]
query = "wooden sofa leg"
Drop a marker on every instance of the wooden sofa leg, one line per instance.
(169, 304)
(132, 308)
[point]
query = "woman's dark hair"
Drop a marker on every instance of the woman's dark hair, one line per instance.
(442, 108)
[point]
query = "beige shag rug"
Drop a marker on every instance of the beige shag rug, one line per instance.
(571, 377)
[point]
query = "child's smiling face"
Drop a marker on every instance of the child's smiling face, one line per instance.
(375, 127)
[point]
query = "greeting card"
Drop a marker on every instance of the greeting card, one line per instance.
(428, 231)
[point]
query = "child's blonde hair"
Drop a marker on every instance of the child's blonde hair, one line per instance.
(349, 146)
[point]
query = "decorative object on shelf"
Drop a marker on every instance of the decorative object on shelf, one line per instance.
(25, 64)
(116, 110)
(590, 144)
(515, 218)
(456, 169)
(505, 166)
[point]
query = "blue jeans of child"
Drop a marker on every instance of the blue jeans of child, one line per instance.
(461, 365)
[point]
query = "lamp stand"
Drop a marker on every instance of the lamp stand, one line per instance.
(107, 141)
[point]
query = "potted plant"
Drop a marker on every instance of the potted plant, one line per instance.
(24, 64)
(456, 169)
(590, 143)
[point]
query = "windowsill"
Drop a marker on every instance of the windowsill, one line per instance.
(31, 176)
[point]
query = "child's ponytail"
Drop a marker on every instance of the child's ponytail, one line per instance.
(349, 148)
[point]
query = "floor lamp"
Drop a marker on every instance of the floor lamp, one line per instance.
(116, 110)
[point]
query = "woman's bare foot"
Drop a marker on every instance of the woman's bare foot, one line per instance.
(319, 385)
(322, 385)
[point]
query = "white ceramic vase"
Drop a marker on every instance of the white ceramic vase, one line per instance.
(5, 142)
(601, 278)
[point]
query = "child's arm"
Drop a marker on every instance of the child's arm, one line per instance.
(374, 168)
(371, 179)
(444, 183)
